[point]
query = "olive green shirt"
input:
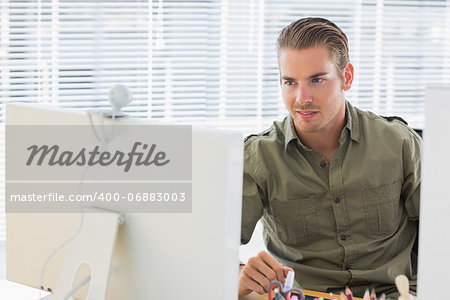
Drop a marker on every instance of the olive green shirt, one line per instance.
(351, 222)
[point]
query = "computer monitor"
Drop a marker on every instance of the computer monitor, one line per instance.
(179, 255)
(434, 237)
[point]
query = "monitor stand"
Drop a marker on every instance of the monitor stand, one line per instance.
(94, 246)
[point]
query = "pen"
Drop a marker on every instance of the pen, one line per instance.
(289, 281)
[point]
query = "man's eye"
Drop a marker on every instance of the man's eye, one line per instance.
(317, 80)
(289, 82)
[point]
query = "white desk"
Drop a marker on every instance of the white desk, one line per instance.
(14, 291)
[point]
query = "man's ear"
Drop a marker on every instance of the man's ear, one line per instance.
(348, 76)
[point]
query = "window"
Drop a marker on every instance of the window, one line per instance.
(211, 62)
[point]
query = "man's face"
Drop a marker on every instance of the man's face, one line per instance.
(312, 89)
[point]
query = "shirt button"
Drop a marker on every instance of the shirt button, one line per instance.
(337, 200)
(343, 237)
(323, 164)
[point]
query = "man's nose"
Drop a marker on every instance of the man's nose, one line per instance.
(303, 95)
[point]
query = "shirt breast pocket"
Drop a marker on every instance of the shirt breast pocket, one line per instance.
(296, 220)
(382, 208)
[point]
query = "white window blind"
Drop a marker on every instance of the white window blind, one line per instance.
(211, 62)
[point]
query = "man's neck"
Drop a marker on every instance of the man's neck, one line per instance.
(326, 141)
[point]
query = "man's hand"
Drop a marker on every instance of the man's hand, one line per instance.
(259, 272)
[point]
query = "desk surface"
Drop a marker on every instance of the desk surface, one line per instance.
(16, 291)
(311, 294)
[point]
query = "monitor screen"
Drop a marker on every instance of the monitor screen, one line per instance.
(434, 237)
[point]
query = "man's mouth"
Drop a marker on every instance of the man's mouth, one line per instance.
(307, 114)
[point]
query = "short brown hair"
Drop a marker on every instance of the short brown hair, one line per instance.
(313, 32)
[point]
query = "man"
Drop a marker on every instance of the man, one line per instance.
(337, 188)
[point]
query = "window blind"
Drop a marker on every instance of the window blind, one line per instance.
(211, 62)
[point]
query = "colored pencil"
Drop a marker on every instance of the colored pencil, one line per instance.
(348, 292)
(366, 295)
(373, 296)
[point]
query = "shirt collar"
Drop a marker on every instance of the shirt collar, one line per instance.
(289, 132)
(352, 125)
(352, 121)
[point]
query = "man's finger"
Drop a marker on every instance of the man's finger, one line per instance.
(251, 284)
(256, 276)
(286, 270)
(266, 270)
(273, 264)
